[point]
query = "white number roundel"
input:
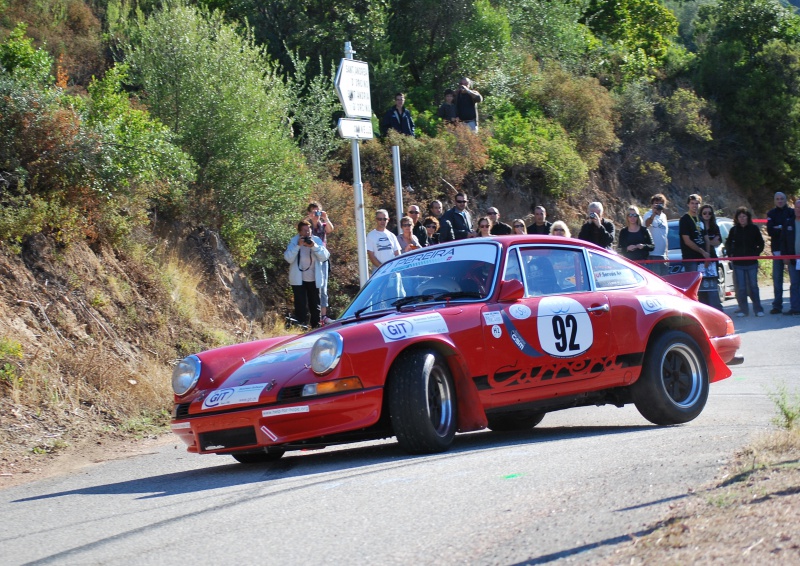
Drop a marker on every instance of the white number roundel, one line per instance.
(564, 326)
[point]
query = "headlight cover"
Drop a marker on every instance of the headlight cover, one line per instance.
(326, 352)
(185, 375)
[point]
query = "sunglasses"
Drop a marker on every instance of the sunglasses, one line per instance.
(558, 229)
(430, 226)
(381, 219)
(413, 211)
(405, 225)
(632, 215)
(707, 213)
(483, 226)
(519, 226)
(492, 213)
(461, 202)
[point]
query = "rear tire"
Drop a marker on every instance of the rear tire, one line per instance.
(422, 402)
(514, 421)
(258, 457)
(673, 387)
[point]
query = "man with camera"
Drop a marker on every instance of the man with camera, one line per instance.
(466, 101)
(655, 220)
(597, 229)
(306, 255)
(321, 226)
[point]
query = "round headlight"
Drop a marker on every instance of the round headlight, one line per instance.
(185, 375)
(326, 352)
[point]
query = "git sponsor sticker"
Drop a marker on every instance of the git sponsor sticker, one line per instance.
(653, 303)
(412, 326)
(564, 326)
(234, 396)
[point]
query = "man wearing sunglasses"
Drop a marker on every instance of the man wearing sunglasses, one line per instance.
(459, 218)
(418, 229)
(382, 245)
(498, 228)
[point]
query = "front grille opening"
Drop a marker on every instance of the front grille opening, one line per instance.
(231, 438)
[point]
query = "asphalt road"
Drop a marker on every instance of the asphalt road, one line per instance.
(566, 493)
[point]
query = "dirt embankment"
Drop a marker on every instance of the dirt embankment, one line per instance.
(88, 337)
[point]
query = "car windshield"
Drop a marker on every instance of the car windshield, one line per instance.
(456, 272)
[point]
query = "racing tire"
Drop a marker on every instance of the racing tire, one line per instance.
(258, 457)
(673, 387)
(422, 402)
(514, 421)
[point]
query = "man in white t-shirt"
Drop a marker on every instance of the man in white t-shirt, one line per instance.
(382, 245)
(655, 220)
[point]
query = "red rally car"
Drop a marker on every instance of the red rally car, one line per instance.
(459, 337)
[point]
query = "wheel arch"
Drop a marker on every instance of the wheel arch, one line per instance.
(716, 368)
(470, 414)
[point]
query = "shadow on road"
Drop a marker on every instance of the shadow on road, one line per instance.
(355, 461)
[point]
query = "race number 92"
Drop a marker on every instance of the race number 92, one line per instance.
(564, 326)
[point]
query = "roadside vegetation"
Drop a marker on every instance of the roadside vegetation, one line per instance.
(136, 134)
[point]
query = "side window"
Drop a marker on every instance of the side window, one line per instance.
(609, 273)
(513, 270)
(554, 271)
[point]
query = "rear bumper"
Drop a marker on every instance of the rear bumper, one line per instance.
(727, 346)
(275, 425)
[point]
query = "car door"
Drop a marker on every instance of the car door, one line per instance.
(555, 339)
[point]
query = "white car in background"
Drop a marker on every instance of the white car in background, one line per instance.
(725, 270)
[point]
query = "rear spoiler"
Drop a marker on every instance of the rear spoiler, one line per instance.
(687, 282)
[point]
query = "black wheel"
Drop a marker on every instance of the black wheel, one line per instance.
(422, 402)
(258, 457)
(673, 387)
(514, 421)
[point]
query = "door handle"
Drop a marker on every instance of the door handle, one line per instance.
(601, 308)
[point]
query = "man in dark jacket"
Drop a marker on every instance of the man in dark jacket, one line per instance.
(398, 117)
(459, 218)
(775, 221)
(597, 229)
(540, 224)
(790, 245)
(498, 228)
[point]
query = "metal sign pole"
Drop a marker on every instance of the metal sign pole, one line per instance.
(398, 185)
(358, 193)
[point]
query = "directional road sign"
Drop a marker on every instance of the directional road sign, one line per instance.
(352, 86)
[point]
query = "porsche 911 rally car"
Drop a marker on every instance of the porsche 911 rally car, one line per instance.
(481, 333)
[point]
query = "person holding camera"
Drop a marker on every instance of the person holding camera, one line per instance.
(305, 255)
(656, 221)
(321, 226)
(466, 104)
(597, 229)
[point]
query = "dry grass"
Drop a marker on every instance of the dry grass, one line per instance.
(748, 516)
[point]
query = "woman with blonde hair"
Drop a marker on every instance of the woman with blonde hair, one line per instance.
(635, 241)
(519, 226)
(559, 228)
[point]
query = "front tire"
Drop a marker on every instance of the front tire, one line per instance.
(422, 402)
(673, 387)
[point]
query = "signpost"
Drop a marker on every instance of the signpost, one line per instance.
(355, 129)
(352, 87)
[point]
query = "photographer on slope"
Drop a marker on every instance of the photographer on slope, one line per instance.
(305, 255)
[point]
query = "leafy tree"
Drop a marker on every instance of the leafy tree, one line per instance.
(748, 65)
(19, 59)
(637, 33)
(228, 105)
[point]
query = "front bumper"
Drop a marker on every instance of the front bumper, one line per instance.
(275, 425)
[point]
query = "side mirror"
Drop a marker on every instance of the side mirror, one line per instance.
(511, 290)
